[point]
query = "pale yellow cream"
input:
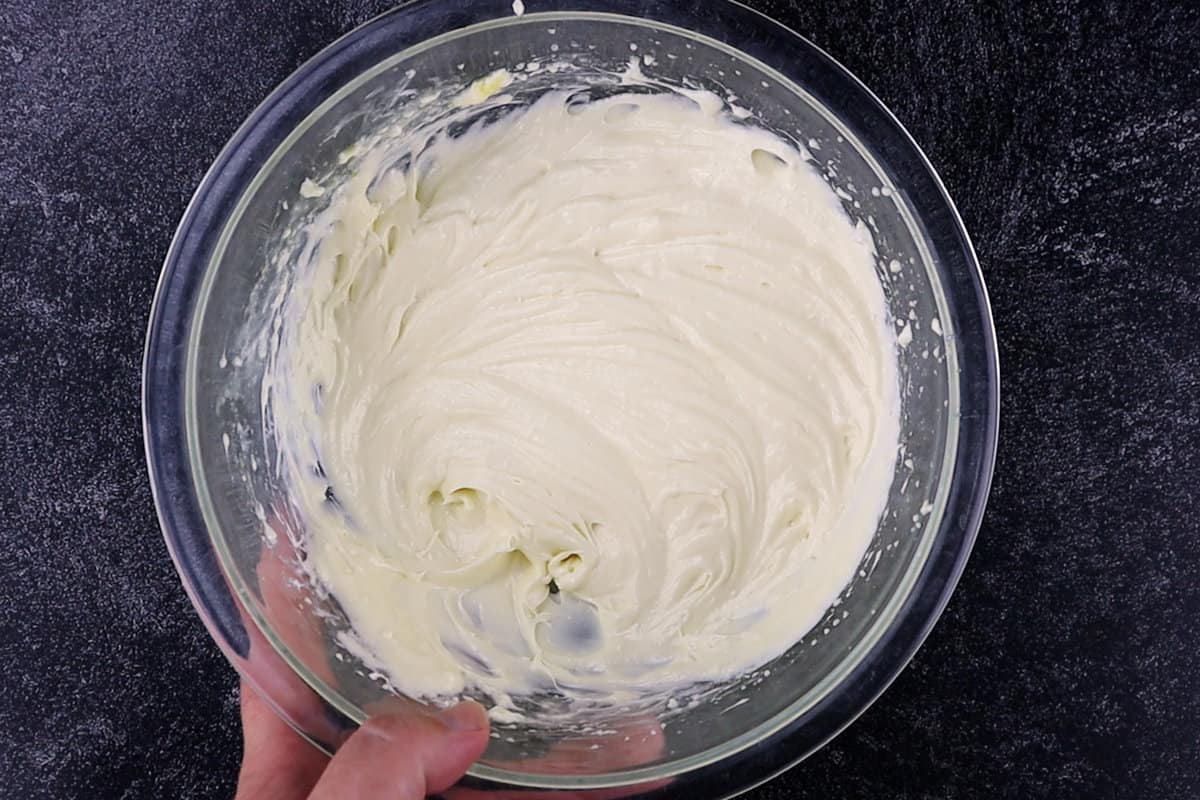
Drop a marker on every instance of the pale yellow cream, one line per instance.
(606, 397)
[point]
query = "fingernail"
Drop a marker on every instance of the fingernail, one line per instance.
(466, 716)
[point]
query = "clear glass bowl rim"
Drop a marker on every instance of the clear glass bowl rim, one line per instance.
(188, 261)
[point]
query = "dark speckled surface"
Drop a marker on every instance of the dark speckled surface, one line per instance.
(1068, 662)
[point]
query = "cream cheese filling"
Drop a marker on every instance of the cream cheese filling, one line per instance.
(604, 399)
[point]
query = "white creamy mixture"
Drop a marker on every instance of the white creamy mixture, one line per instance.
(605, 398)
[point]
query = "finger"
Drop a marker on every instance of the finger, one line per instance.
(612, 793)
(286, 601)
(277, 763)
(406, 756)
(635, 742)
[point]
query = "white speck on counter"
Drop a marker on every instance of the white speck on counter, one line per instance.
(518, 7)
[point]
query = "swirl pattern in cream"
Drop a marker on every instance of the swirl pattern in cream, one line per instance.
(606, 396)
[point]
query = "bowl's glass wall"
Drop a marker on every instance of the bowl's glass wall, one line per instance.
(247, 509)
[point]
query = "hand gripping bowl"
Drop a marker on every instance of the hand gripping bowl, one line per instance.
(225, 515)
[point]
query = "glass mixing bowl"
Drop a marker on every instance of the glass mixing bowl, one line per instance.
(226, 516)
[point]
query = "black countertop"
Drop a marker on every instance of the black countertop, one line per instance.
(1068, 661)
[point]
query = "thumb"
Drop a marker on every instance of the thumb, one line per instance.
(405, 756)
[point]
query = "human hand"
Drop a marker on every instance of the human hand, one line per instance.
(403, 756)
(637, 741)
